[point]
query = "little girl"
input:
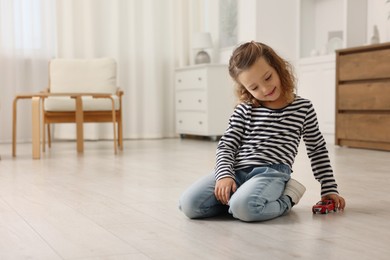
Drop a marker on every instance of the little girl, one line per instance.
(255, 155)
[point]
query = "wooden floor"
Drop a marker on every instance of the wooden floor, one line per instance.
(101, 206)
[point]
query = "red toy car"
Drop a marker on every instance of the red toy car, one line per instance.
(324, 207)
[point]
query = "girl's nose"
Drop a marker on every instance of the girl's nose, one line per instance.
(266, 89)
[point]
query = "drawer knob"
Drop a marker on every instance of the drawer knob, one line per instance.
(179, 101)
(179, 80)
(199, 100)
(199, 78)
(200, 122)
(180, 121)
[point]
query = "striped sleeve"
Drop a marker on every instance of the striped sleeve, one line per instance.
(318, 153)
(229, 144)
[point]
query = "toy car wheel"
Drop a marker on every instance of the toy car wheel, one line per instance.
(326, 211)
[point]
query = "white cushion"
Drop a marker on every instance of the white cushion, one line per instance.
(83, 75)
(89, 104)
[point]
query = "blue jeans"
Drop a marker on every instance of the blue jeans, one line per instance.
(257, 198)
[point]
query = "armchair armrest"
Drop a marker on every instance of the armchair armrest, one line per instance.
(46, 90)
(119, 92)
(74, 95)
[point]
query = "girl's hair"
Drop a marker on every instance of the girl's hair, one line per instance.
(245, 55)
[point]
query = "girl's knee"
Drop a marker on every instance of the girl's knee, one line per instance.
(247, 210)
(189, 207)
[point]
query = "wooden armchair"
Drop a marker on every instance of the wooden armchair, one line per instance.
(83, 91)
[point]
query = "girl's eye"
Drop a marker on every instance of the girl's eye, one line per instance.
(254, 88)
(269, 77)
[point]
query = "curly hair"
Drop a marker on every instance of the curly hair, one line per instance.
(245, 55)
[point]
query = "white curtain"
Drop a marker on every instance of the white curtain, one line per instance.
(27, 43)
(142, 37)
(148, 39)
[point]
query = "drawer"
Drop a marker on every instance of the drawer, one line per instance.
(191, 123)
(364, 96)
(191, 79)
(365, 65)
(372, 127)
(191, 100)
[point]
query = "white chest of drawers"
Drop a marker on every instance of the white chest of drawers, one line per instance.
(204, 100)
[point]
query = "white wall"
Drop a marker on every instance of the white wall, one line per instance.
(277, 26)
(267, 22)
(275, 22)
(378, 13)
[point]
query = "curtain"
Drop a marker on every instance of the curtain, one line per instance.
(148, 39)
(145, 39)
(27, 42)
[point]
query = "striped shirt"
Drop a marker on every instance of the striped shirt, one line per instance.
(259, 136)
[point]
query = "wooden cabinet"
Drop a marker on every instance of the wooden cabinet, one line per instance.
(204, 100)
(363, 97)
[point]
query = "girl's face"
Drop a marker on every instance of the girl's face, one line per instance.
(262, 81)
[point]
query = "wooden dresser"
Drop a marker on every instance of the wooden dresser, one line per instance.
(363, 97)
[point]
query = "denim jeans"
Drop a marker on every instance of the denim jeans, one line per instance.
(258, 196)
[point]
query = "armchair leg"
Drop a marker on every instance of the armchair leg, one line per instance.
(115, 139)
(79, 124)
(114, 125)
(120, 134)
(14, 121)
(36, 135)
(48, 135)
(43, 136)
(43, 126)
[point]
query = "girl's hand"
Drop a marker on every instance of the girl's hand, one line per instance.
(339, 201)
(223, 188)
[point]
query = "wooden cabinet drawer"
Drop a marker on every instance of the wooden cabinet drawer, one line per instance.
(191, 100)
(191, 122)
(372, 127)
(364, 96)
(373, 64)
(191, 79)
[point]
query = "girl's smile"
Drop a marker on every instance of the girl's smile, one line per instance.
(272, 92)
